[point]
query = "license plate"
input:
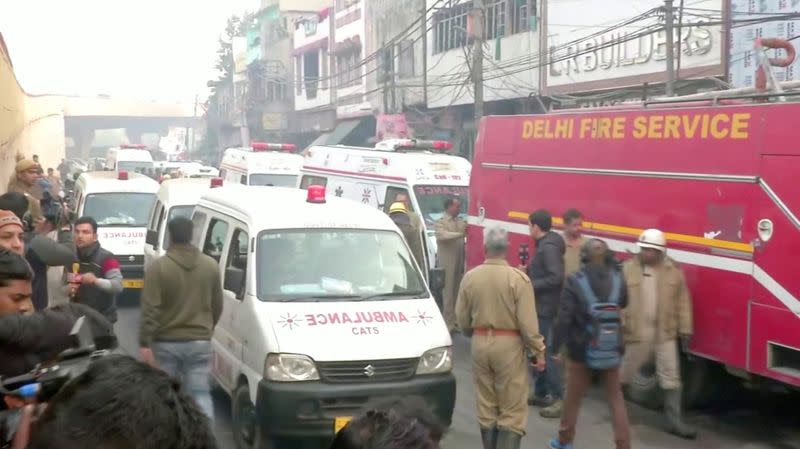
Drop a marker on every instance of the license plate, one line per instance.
(133, 283)
(340, 422)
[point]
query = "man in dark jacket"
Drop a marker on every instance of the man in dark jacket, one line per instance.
(601, 269)
(100, 279)
(181, 305)
(546, 271)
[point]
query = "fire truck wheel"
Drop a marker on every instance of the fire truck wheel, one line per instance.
(643, 388)
(696, 374)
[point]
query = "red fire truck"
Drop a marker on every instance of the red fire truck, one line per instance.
(719, 178)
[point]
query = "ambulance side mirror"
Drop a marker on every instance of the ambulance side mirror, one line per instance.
(234, 281)
(152, 238)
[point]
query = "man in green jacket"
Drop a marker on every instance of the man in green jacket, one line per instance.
(181, 304)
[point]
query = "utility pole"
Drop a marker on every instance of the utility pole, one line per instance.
(186, 135)
(424, 27)
(194, 116)
(477, 58)
(668, 27)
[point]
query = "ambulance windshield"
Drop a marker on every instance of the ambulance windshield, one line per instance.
(335, 265)
(266, 179)
(120, 208)
(431, 200)
(143, 167)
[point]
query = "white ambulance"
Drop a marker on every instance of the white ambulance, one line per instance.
(376, 176)
(263, 164)
(325, 310)
(130, 158)
(175, 198)
(121, 203)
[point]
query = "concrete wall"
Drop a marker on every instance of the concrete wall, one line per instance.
(12, 116)
(28, 124)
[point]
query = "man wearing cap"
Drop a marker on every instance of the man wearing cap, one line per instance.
(12, 235)
(496, 306)
(658, 317)
(27, 173)
(399, 214)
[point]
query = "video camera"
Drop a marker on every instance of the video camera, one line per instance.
(46, 380)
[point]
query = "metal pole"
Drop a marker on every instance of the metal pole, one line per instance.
(194, 115)
(679, 32)
(424, 28)
(477, 58)
(670, 88)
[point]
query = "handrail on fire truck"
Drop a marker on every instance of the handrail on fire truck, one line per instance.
(763, 73)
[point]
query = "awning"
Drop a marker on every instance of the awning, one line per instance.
(311, 46)
(342, 130)
(349, 44)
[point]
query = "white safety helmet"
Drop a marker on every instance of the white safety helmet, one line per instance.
(652, 238)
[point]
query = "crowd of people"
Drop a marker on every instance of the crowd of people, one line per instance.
(573, 313)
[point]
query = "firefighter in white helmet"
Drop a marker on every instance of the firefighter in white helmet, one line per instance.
(657, 319)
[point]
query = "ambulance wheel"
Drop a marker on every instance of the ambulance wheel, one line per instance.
(643, 388)
(247, 433)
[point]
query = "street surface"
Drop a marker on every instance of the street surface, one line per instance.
(740, 423)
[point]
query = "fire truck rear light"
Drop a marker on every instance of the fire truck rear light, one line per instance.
(216, 182)
(122, 175)
(316, 194)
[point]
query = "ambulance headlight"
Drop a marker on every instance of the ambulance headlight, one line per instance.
(290, 368)
(437, 360)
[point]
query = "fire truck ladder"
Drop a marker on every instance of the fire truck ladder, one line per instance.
(766, 86)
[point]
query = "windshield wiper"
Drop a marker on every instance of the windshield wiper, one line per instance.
(390, 295)
(317, 298)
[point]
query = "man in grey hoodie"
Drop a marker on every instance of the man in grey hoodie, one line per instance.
(181, 305)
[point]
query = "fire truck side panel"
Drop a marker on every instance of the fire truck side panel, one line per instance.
(774, 346)
(705, 193)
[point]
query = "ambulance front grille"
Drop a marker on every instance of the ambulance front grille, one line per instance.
(393, 370)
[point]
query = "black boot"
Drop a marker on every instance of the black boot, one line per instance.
(674, 412)
(489, 438)
(508, 440)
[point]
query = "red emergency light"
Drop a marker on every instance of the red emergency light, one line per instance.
(316, 194)
(263, 146)
(439, 145)
(122, 175)
(132, 146)
(216, 182)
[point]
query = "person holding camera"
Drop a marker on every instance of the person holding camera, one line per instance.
(39, 249)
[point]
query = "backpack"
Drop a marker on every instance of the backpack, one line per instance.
(604, 330)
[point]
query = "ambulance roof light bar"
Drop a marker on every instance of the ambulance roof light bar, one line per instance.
(216, 182)
(316, 194)
(404, 145)
(122, 175)
(133, 146)
(264, 146)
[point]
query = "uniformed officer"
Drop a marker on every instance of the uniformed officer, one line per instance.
(658, 316)
(401, 217)
(450, 233)
(27, 175)
(496, 306)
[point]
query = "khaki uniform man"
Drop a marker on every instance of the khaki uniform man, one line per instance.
(496, 306)
(450, 233)
(27, 172)
(399, 214)
(573, 223)
(658, 316)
